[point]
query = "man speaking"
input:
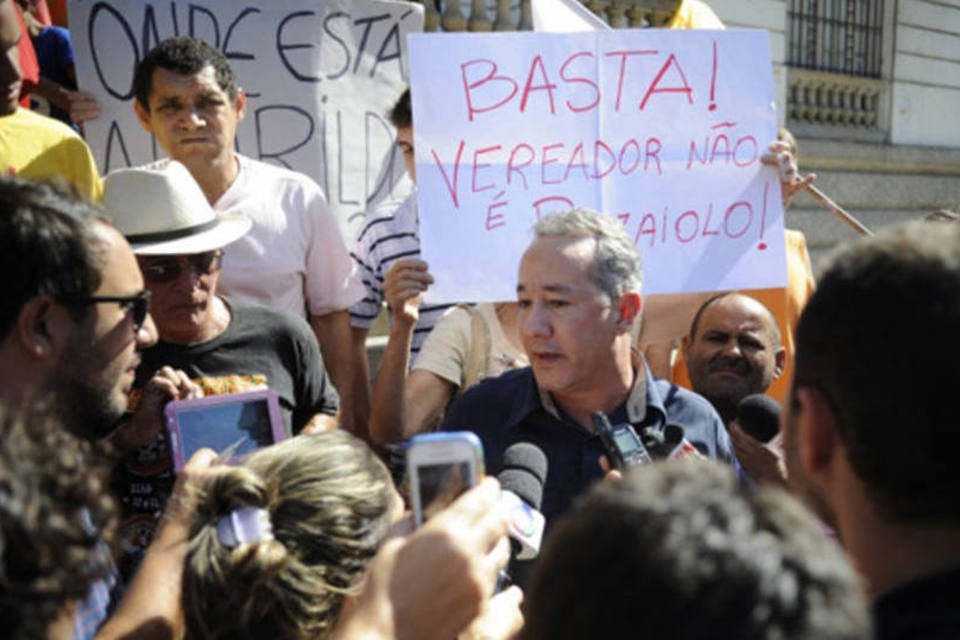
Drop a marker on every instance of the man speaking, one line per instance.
(579, 295)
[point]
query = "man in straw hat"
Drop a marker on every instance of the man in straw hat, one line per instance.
(205, 340)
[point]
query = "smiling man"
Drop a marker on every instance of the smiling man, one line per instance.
(733, 351)
(294, 257)
(579, 295)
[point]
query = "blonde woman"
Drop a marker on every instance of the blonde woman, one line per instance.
(279, 544)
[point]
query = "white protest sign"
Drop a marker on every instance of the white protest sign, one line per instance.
(663, 129)
(320, 78)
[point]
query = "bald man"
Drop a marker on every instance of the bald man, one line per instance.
(733, 351)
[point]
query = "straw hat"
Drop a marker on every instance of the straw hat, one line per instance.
(162, 211)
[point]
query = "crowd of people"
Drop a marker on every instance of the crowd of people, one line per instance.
(809, 494)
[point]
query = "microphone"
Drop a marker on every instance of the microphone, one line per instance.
(668, 443)
(521, 477)
(676, 444)
(759, 416)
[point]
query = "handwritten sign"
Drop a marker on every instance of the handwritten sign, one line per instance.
(320, 78)
(663, 129)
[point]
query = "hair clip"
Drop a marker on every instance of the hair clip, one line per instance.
(245, 526)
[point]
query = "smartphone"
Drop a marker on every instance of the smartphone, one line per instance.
(440, 467)
(239, 423)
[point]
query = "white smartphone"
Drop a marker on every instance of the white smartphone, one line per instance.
(441, 466)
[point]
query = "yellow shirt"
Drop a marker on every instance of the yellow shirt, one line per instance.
(36, 147)
(694, 14)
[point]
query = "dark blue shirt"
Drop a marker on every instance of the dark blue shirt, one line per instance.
(509, 409)
(928, 607)
(55, 58)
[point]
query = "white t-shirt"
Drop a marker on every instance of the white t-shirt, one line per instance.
(294, 257)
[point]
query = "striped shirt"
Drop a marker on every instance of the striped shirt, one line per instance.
(390, 233)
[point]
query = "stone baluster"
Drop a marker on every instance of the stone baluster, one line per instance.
(616, 14)
(431, 17)
(479, 19)
(502, 22)
(452, 19)
(637, 15)
(526, 17)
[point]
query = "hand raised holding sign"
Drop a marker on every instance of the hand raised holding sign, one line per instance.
(781, 156)
(403, 288)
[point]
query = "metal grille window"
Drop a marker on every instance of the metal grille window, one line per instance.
(840, 36)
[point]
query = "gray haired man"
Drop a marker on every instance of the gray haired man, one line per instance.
(579, 295)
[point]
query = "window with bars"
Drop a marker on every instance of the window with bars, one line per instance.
(839, 36)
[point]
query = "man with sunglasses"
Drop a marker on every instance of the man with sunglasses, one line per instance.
(73, 324)
(74, 317)
(208, 343)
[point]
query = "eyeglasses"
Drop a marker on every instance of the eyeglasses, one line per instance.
(169, 268)
(138, 304)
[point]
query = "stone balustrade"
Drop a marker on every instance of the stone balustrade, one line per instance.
(830, 104)
(509, 15)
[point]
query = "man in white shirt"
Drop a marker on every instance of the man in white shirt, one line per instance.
(294, 257)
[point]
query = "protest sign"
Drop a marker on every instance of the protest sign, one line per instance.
(320, 78)
(664, 129)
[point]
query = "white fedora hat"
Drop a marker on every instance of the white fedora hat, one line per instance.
(161, 210)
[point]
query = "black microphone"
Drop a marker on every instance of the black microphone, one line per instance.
(521, 477)
(759, 416)
(674, 445)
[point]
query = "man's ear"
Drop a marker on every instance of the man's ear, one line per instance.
(779, 362)
(240, 104)
(818, 440)
(143, 116)
(41, 327)
(629, 306)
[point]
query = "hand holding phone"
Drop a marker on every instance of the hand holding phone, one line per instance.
(440, 467)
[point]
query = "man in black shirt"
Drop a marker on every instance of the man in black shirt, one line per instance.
(870, 429)
(207, 345)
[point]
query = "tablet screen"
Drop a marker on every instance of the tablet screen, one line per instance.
(220, 426)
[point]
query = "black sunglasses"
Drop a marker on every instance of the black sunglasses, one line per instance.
(138, 304)
(169, 268)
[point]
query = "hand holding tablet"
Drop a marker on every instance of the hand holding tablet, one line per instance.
(234, 424)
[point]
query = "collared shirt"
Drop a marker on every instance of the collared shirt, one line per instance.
(512, 408)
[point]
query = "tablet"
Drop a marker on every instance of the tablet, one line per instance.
(237, 423)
